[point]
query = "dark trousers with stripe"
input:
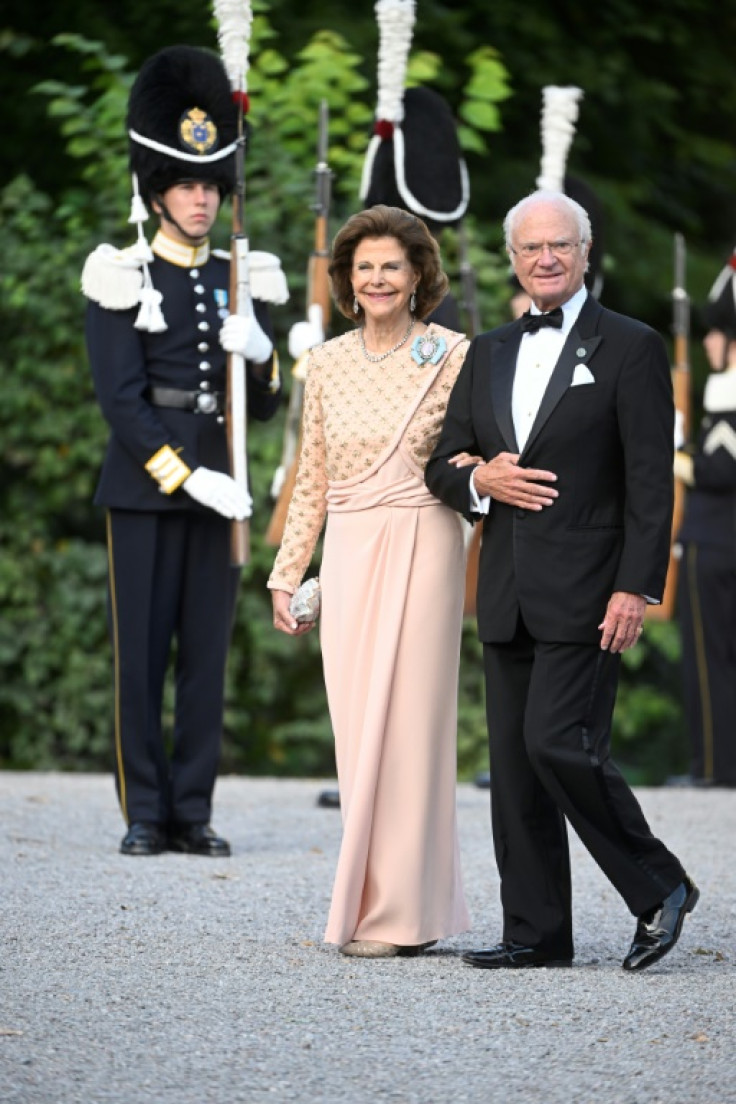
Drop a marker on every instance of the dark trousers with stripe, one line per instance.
(707, 614)
(170, 580)
(549, 709)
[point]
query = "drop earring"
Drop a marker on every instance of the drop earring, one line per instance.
(356, 305)
(413, 302)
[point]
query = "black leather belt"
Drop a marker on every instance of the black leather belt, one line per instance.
(200, 402)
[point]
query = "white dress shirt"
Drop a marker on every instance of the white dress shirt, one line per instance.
(538, 355)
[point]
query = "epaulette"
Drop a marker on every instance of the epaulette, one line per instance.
(113, 277)
(266, 276)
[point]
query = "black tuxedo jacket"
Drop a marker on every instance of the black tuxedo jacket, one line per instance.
(610, 442)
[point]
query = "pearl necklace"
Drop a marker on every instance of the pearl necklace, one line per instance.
(375, 357)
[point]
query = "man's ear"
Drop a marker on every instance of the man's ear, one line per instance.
(155, 205)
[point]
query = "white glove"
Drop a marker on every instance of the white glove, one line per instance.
(219, 492)
(279, 478)
(305, 335)
(242, 335)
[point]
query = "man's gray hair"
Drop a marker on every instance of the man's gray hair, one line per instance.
(545, 196)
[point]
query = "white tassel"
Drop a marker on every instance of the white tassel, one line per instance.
(138, 210)
(559, 115)
(140, 251)
(150, 316)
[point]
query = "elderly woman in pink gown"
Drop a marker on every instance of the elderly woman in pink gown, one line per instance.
(392, 586)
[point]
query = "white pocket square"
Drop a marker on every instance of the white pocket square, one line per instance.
(582, 374)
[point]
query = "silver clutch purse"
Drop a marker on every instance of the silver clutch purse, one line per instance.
(305, 601)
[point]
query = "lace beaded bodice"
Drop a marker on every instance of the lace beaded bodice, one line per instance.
(353, 409)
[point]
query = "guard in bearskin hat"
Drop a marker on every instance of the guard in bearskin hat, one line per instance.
(158, 328)
(707, 543)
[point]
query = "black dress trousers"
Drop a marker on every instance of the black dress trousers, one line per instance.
(170, 579)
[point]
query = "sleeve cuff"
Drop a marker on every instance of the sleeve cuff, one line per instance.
(168, 469)
(272, 382)
(478, 505)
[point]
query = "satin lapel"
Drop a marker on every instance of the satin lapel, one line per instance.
(503, 367)
(576, 350)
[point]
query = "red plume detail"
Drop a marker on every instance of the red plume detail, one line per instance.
(384, 129)
(241, 101)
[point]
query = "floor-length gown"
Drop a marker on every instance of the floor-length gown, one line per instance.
(393, 579)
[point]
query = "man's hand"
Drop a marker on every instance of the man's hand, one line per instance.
(219, 492)
(241, 334)
(623, 623)
(283, 618)
(505, 481)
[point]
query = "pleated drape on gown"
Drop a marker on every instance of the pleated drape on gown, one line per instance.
(392, 594)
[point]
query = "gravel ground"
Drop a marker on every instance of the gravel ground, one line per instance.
(183, 980)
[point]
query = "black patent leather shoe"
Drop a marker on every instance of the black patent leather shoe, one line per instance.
(198, 839)
(143, 838)
(658, 931)
(510, 955)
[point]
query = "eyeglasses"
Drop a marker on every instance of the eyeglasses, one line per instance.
(530, 250)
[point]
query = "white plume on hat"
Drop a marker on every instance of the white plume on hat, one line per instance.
(559, 115)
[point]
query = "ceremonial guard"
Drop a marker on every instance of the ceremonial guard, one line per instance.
(159, 326)
(707, 543)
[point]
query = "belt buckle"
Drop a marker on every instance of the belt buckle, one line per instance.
(206, 403)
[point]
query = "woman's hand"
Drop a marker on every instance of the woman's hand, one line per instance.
(464, 460)
(285, 621)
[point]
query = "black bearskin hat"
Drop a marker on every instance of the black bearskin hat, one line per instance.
(182, 121)
(416, 164)
(719, 313)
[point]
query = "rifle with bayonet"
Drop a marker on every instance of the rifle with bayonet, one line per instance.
(683, 399)
(233, 31)
(318, 312)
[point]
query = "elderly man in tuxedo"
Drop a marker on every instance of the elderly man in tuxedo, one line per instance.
(571, 407)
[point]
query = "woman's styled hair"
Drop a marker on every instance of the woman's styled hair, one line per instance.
(411, 233)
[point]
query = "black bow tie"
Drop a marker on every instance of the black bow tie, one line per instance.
(531, 323)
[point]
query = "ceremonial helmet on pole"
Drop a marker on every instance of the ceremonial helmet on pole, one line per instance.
(413, 160)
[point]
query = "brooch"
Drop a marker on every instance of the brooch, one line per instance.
(428, 348)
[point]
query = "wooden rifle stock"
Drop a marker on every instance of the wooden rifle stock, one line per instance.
(682, 394)
(318, 293)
